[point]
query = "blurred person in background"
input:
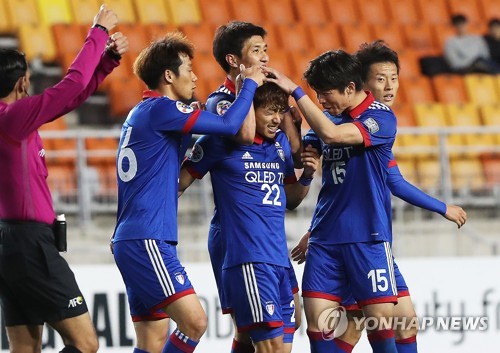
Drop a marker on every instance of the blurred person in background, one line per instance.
(37, 285)
(493, 39)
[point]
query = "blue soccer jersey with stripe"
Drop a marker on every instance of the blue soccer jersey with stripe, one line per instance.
(354, 201)
(249, 183)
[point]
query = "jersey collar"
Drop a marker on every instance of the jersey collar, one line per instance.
(258, 139)
(150, 94)
(356, 111)
(230, 85)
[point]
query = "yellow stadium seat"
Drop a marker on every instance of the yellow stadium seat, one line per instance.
(481, 89)
(152, 11)
(184, 11)
(22, 12)
(124, 10)
(429, 115)
(84, 11)
(449, 88)
(408, 168)
(311, 11)
(490, 114)
(54, 11)
(405, 118)
(467, 173)
(37, 42)
(429, 173)
(5, 24)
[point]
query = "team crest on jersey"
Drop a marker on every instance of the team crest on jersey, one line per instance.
(371, 125)
(270, 308)
(280, 151)
(196, 153)
(183, 108)
(179, 277)
(223, 106)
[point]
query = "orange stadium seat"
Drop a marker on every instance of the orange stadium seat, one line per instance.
(300, 62)
(5, 24)
(481, 89)
(405, 118)
(420, 38)
(217, 12)
(201, 35)
(137, 37)
(37, 42)
(104, 149)
(299, 33)
(124, 10)
(467, 173)
(324, 37)
(206, 68)
(22, 12)
(373, 11)
(409, 64)
(68, 39)
(107, 181)
(489, 8)
(417, 89)
(62, 181)
(184, 11)
(466, 7)
(249, 11)
(449, 88)
(280, 60)
(343, 12)
(124, 94)
(403, 11)
(279, 12)
(54, 11)
(354, 34)
(391, 33)
(152, 11)
(66, 151)
(434, 11)
(272, 37)
(84, 10)
(441, 34)
(491, 168)
(311, 11)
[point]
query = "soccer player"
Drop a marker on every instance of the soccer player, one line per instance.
(154, 139)
(350, 243)
(37, 285)
(380, 73)
(256, 182)
(242, 43)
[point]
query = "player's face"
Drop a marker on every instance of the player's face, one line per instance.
(383, 82)
(254, 52)
(267, 121)
(184, 84)
(334, 101)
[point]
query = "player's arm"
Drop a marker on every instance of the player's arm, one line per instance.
(289, 124)
(296, 192)
(185, 180)
(404, 190)
(246, 133)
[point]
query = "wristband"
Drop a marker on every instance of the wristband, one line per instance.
(305, 181)
(298, 93)
(101, 27)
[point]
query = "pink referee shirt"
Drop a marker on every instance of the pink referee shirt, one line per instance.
(24, 193)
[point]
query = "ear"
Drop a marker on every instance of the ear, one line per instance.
(168, 76)
(351, 88)
(232, 60)
(21, 85)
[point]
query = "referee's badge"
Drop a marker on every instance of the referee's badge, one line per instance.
(179, 277)
(270, 308)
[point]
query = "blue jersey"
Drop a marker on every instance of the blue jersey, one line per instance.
(354, 201)
(153, 142)
(249, 183)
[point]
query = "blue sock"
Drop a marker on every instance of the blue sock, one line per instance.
(137, 350)
(407, 345)
(179, 343)
(320, 345)
(382, 341)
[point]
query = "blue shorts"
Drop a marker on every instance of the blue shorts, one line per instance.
(293, 279)
(335, 271)
(153, 276)
(217, 254)
(261, 298)
(349, 303)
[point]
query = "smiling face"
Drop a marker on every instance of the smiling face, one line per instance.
(184, 83)
(383, 82)
(267, 121)
(254, 52)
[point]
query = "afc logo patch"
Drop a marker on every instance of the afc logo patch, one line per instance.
(196, 153)
(270, 308)
(371, 125)
(183, 108)
(179, 277)
(223, 106)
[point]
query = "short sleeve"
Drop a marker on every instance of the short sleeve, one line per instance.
(377, 127)
(312, 139)
(170, 115)
(219, 103)
(203, 156)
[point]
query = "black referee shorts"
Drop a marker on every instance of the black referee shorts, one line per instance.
(36, 283)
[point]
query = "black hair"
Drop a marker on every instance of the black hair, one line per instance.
(271, 96)
(13, 66)
(458, 19)
(374, 53)
(494, 22)
(230, 39)
(334, 69)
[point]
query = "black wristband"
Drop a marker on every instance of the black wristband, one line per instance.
(113, 55)
(101, 27)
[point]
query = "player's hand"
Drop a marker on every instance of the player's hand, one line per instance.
(106, 18)
(298, 253)
(456, 214)
(274, 76)
(310, 159)
(117, 44)
(255, 73)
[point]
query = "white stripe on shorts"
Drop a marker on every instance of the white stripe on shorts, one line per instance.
(390, 264)
(252, 292)
(159, 267)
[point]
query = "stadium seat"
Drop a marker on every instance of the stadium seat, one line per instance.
(62, 181)
(311, 11)
(420, 38)
(417, 89)
(22, 12)
(249, 11)
(206, 68)
(404, 114)
(108, 186)
(441, 33)
(58, 124)
(449, 88)
(137, 37)
(468, 8)
(158, 30)
(124, 10)
(343, 12)
(37, 42)
(490, 115)
(104, 149)
(279, 12)
(429, 174)
(354, 34)
(152, 11)
(272, 37)
(65, 151)
(84, 10)
(429, 115)
(201, 35)
(124, 94)
(300, 62)
(324, 37)
(5, 24)
(467, 174)
(491, 168)
(184, 11)
(410, 66)
(372, 12)
(407, 167)
(217, 12)
(298, 32)
(434, 11)
(68, 40)
(489, 8)
(391, 33)
(481, 89)
(403, 11)
(54, 11)
(280, 60)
